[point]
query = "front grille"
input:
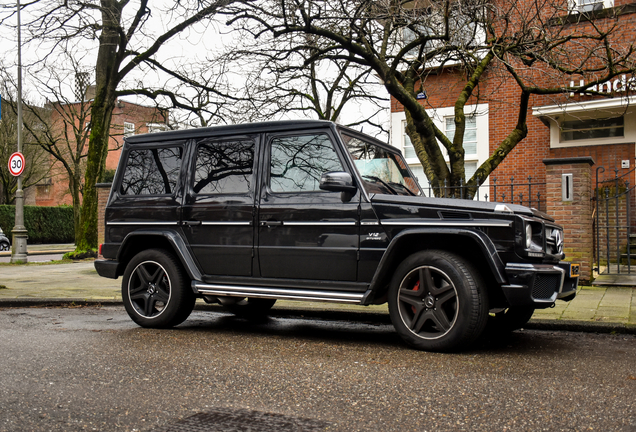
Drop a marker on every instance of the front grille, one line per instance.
(544, 286)
(554, 240)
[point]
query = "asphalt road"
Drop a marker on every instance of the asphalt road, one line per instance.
(76, 369)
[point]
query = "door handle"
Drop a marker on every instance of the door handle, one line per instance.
(191, 222)
(271, 223)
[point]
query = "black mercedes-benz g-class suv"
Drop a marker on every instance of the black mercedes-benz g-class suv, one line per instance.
(309, 210)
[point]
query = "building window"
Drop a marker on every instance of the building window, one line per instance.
(129, 129)
(590, 129)
(581, 6)
(156, 127)
(409, 150)
(470, 134)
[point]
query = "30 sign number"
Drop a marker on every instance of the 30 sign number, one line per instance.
(16, 164)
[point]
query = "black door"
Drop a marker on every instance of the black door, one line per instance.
(304, 232)
(218, 215)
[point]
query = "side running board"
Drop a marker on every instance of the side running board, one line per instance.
(277, 293)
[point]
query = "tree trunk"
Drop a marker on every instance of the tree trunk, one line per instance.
(106, 77)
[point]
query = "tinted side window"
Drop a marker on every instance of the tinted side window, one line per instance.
(297, 162)
(152, 171)
(224, 167)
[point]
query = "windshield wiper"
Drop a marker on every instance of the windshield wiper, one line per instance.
(382, 182)
(401, 186)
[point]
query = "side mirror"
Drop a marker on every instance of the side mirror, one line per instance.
(337, 181)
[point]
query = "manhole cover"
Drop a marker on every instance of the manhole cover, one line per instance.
(241, 420)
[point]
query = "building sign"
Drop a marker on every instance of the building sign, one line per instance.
(619, 85)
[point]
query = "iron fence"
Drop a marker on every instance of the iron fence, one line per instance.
(528, 194)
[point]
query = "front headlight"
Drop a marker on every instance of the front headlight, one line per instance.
(528, 236)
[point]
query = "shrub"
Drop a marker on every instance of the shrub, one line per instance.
(44, 224)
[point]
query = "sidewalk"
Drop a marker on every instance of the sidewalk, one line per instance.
(597, 309)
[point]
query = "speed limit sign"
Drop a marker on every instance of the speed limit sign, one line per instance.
(16, 164)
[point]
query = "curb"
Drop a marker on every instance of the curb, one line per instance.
(582, 326)
(43, 252)
(330, 314)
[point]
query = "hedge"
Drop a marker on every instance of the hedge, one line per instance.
(44, 224)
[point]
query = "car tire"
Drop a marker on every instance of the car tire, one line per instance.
(436, 302)
(509, 319)
(4, 246)
(247, 307)
(156, 291)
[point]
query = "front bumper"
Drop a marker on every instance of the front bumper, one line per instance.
(540, 285)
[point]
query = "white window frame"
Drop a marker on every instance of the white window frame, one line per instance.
(553, 115)
(156, 127)
(129, 129)
(480, 111)
(587, 6)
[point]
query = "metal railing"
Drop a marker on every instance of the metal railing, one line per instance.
(528, 194)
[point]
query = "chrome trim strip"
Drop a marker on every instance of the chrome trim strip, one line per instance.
(468, 223)
(142, 223)
(370, 223)
(265, 292)
(236, 288)
(318, 223)
(280, 296)
(227, 223)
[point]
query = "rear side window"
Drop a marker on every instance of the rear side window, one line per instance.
(297, 162)
(224, 167)
(152, 171)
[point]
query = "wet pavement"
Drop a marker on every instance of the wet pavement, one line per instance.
(73, 360)
(91, 368)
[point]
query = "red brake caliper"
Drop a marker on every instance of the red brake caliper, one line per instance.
(416, 288)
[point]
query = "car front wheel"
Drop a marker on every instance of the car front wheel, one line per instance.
(436, 301)
(4, 246)
(155, 290)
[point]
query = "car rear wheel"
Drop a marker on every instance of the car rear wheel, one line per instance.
(4, 246)
(155, 290)
(247, 307)
(436, 302)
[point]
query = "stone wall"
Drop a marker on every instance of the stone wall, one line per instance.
(103, 191)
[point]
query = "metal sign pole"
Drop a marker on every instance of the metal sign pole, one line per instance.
(19, 248)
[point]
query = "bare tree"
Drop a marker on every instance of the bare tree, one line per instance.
(482, 44)
(126, 41)
(298, 73)
(36, 167)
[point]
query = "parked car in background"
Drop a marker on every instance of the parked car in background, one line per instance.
(5, 244)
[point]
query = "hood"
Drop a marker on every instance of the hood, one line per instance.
(461, 205)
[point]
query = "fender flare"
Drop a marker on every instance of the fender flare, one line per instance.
(486, 246)
(176, 241)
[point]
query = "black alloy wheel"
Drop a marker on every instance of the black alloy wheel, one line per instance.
(435, 302)
(4, 246)
(155, 290)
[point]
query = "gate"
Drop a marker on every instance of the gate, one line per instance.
(613, 224)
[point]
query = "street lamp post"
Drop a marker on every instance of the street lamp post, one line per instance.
(19, 249)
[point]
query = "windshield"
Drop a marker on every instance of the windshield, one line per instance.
(383, 172)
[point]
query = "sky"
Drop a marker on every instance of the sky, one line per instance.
(196, 45)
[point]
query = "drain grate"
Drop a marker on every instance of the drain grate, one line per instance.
(242, 420)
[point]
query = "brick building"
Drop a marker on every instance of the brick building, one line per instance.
(128, 119)
(563, 125)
